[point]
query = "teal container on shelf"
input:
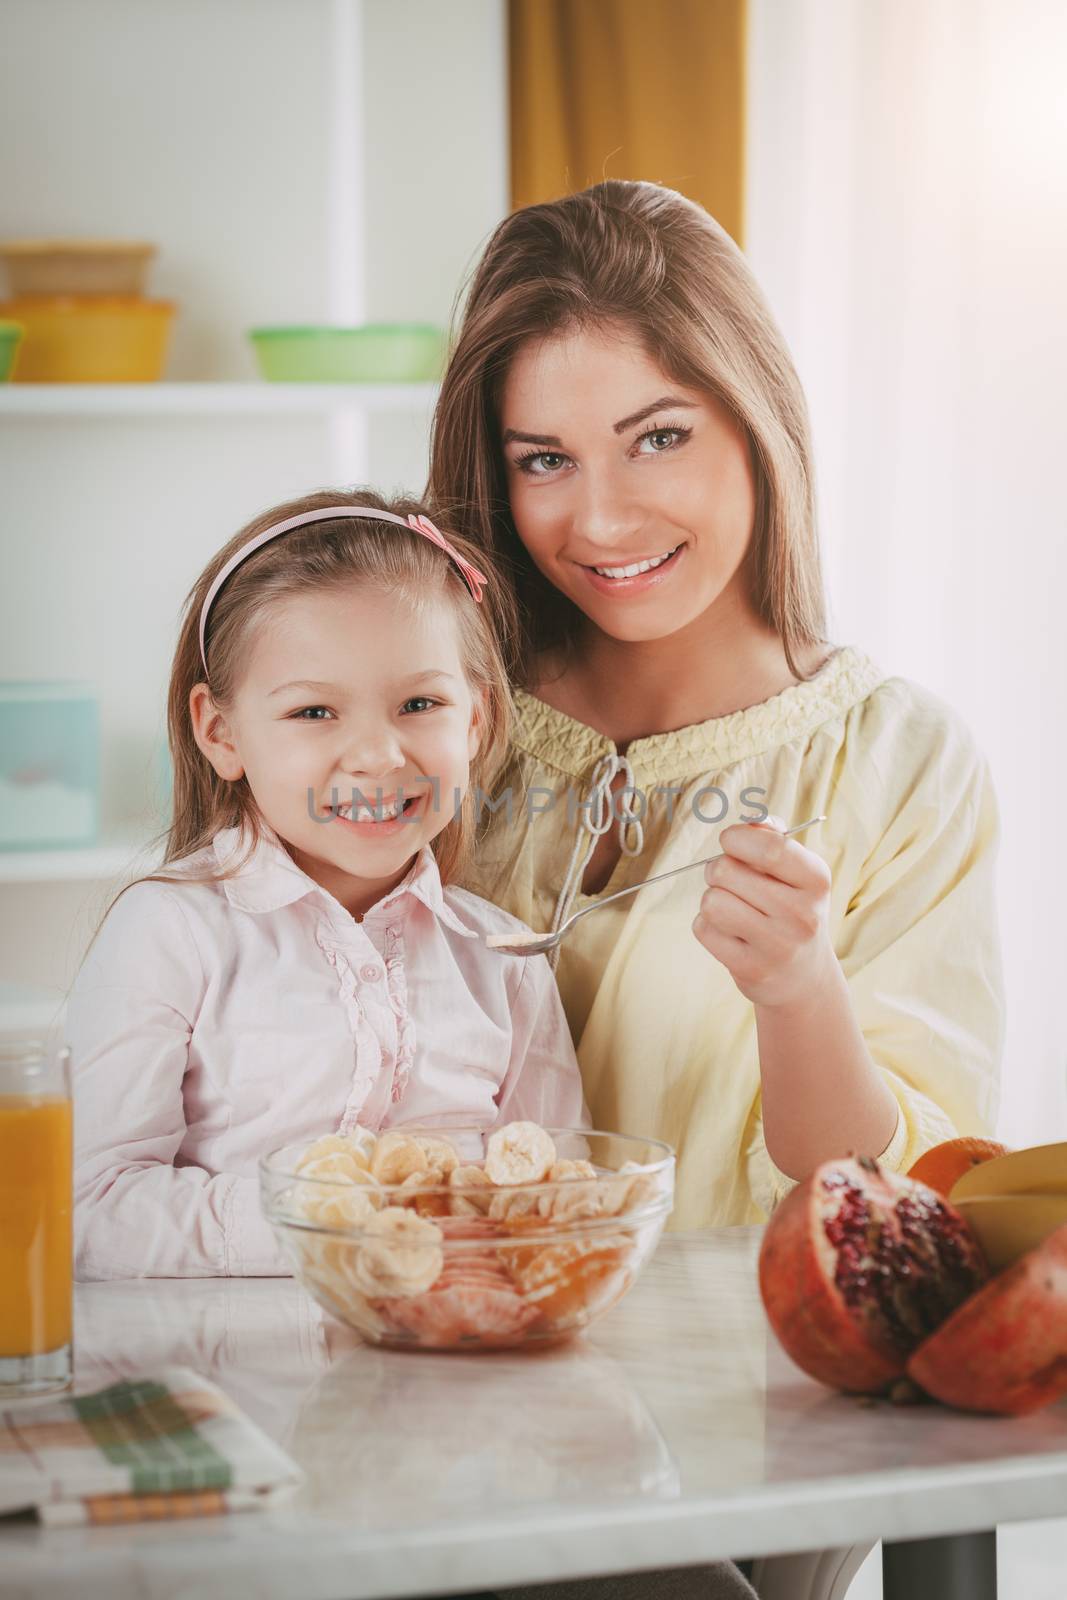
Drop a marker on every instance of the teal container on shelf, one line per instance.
(379, 352)
(49, 765)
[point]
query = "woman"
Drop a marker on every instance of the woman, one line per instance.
(622, 423)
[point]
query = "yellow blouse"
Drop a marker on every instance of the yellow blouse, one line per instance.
(665, 1040)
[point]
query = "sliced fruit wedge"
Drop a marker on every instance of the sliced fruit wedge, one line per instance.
(1042, 1169)
(1005, 1348)
(1009, 1225)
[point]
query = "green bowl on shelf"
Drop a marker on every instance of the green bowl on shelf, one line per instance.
(376, 352)
(10, 338)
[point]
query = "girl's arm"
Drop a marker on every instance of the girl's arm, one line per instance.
(542, 1084)
(129, 1023)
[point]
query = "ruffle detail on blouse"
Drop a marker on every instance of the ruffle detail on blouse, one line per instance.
(557, 740)
(396, 984)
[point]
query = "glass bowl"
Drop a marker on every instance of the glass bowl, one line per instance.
(456, 1261)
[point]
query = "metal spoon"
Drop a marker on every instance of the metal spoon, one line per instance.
(535, 944)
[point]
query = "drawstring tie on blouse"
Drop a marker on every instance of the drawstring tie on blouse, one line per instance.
(595, 819)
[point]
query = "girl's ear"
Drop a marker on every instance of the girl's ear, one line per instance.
(477, 727)
(213, 734)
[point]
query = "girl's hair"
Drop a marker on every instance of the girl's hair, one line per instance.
(647, 259)
(323, 556)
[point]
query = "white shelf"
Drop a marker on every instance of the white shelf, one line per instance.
(208, 399)
(119, 856)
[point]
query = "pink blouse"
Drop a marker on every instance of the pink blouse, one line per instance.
(211, 1023)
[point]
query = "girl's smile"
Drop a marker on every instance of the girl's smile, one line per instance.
(367, 817)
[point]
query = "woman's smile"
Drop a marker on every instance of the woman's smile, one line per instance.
(637, 576)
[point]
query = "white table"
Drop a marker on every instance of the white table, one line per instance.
(675, 1432)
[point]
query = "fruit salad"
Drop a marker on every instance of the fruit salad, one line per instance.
(461, 1240)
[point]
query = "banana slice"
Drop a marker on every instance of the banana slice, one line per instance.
(331, 1144)
(441, 1158)
(400, 1253)
(626, 1190)
(509, 1205)
(345, 1201)
(1042, 1169)
(574, 1200)
(397, 1156)
(472, 1191)
(352, 1207)
(521, 1152)
(358, 1146)
(339, 1166)
(362, 1141)
(1009, 1225)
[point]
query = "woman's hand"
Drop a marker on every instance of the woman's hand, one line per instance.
(766, 914)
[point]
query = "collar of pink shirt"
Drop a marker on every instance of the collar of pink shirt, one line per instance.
(270, 879)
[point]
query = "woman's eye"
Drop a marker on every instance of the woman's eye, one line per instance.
(311, 714)
(541, 463)
(418, 702)
(660, 439)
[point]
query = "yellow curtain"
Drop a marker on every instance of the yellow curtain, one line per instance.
(629, 89)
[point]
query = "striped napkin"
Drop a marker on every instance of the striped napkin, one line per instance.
(149, 1448)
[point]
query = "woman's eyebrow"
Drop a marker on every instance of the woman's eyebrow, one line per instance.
(552, 440)
(512, 435)
(661, 404)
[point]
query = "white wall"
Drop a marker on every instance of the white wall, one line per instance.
(436, 173)
(295, 160)
(908, 218)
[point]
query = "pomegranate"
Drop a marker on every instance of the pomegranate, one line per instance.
(858, 1266)
(1005, 1349)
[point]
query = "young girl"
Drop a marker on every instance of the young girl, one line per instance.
(304, 964)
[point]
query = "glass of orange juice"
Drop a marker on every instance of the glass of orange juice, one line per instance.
(36, 1270)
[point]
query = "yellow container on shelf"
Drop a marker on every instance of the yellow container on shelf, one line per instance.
(90, 338)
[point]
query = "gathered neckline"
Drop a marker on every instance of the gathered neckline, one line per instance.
(559, 740)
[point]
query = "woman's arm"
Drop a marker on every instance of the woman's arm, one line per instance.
(812, 1052)
(898, 1019)
(765, 915)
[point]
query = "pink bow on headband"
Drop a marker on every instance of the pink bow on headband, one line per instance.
(474, 579)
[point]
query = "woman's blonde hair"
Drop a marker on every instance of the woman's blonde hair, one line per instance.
(330, 554)
(648, 259)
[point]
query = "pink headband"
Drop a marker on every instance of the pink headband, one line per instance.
(474, 579)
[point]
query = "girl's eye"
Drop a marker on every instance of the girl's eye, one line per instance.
(419, 702)
(541, 463)
(310, 714)
(660, 439)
